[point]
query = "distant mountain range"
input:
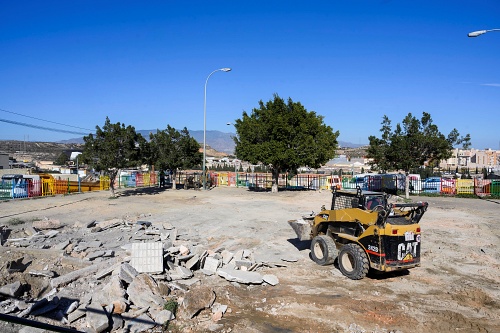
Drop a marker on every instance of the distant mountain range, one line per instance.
(220, 141)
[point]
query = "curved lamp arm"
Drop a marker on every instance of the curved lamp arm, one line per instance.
(480, 32)
(225, 69)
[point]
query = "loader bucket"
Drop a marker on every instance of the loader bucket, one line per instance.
(302, 228)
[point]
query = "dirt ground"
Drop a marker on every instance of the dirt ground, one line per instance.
(456, 288)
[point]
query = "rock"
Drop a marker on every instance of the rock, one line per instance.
(240, 276)
(54, 303)
(139, 324)
(127, 273)
(61, 246)
(77, 314)
(145, 224)
(183, 272)
(28, 329)
(93, 255)
(120, 306)
(211, 264)
(217, 316)
(112, 290)
(97, 318)
(12, 289)
(193, 261)
(110, 224)
(196, 300)
(243, 264)
(95, 244)
(219, 307)
(48, 274)
(47, 224)
(164, 289)
(271, 279)
(116, 322)
(226, 256)
(144, 292)
(51, 233)
(183, 250)
(161, 317)
(72, 307)
(91, 224)
(72, 276)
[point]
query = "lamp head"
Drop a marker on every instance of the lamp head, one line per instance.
(225, 69)
(476, 33)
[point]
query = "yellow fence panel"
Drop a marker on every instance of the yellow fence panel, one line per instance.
(223, 179)
(104, 183)
(465, 186)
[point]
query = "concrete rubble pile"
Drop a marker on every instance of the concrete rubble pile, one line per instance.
(124, 276)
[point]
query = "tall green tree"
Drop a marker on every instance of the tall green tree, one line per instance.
(411, 144)
(174, 150)
(284, 136)
(62, 159)
(111, 148)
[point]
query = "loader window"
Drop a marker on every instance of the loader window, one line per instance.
(373, 201)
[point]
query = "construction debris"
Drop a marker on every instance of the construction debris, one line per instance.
(114, 274)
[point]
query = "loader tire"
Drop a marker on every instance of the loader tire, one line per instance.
(353, 261)
(323, 250)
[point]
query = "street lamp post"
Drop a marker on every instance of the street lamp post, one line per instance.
(480, 32)
(204, 172)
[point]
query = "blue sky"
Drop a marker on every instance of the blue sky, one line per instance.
(145, 63)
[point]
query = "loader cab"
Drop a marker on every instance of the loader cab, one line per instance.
(365, 200)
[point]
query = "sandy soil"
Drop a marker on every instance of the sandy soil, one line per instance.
(456, 289)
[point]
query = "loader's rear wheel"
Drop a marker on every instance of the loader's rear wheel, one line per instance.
(323, 250)
(353, 261)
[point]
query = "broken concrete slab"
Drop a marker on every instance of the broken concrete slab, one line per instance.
(270, 279)
(116, 322)
(72, 276)
(243, 265)
(144, 292)
(161, 317)
(51, 233)
(72, 307)
(211, 264)
(138, 324)
(12, 289)
(77, 314)
(183, 272)
(49, 306)
(147, 257)
(97, 318)
(193, 261)
(44, 273)
(62, 245)
(244, 277)
(127, 273)
(113, 290)
(226, 256)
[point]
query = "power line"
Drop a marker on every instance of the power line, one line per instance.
(41, 127)
(48, 121)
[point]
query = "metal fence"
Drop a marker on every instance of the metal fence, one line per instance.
(395, 184)
(28, 188)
